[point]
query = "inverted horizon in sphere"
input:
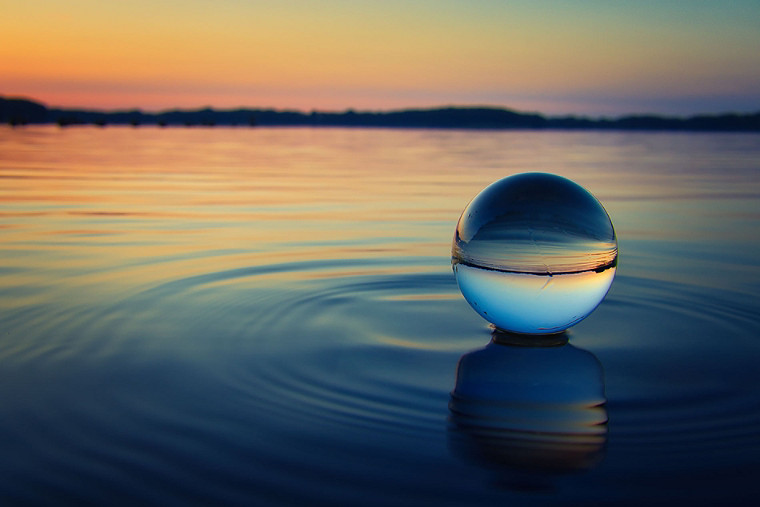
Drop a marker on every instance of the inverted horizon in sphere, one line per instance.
(534, 253)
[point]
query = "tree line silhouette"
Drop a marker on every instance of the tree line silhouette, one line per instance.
(19, 111)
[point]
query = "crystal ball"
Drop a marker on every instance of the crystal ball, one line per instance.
(534, 253)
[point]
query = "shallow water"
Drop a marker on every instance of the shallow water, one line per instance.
(269, 317)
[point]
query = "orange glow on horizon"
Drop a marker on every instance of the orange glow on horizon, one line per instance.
(380, 56)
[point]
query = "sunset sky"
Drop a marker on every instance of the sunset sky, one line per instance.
(581, 57)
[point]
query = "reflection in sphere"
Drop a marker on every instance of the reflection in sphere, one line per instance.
(534, 253)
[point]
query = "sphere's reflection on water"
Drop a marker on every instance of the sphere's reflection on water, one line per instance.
(528, 405)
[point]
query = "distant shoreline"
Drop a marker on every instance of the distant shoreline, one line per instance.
(21, 111)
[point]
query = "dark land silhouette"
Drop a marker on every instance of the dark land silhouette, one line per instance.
(20, 111)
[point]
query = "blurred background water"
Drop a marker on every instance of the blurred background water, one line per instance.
(233, 316)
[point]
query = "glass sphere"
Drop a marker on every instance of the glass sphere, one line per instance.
(534, 253)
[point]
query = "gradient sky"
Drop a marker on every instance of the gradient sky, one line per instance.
(583, 57)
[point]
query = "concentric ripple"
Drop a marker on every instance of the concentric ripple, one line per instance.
(362, 365)
(214, 320)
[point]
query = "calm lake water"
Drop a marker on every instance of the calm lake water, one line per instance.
(269, 317)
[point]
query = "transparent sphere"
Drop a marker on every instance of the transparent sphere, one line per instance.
(534, 253)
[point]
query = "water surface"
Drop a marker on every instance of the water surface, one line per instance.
(269, 317)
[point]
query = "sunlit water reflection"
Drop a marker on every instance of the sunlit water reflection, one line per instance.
(268, 316)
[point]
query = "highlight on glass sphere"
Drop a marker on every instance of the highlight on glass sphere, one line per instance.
(534, 253)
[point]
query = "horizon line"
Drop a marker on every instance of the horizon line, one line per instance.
(349, 110)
